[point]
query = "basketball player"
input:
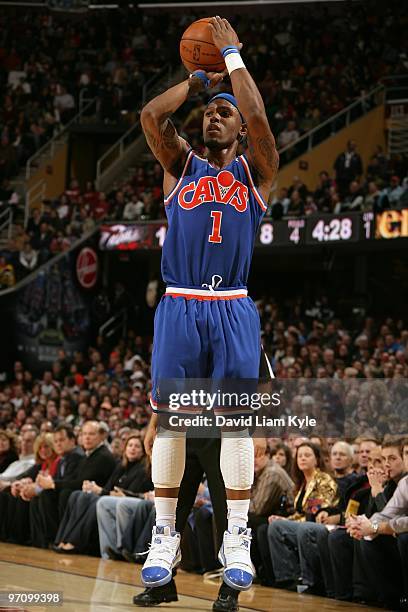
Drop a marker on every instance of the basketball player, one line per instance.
(206, 326)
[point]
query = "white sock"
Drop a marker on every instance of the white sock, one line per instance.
(237, 512)
(166, 511)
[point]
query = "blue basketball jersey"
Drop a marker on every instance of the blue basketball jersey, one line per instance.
(213, 218)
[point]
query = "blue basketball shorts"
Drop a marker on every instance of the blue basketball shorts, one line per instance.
(198, 335)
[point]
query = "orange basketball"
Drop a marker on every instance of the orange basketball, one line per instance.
(197, 49)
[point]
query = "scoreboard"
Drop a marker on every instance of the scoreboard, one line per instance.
(316, 229)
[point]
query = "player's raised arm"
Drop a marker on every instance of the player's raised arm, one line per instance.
(263, 155)
(161, 135)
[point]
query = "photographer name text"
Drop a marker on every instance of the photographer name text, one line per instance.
(252, 420)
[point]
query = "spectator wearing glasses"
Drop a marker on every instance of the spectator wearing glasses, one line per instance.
(366, 496)
(383, 559)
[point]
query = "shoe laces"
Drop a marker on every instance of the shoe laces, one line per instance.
(237, 546)
(233, 540)
(162, 548)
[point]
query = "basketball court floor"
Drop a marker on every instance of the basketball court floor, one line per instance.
(91, 584)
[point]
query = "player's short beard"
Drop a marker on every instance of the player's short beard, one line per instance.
(215, 145)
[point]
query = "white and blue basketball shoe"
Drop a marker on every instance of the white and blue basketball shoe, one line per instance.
(164, 555)
(235, 556)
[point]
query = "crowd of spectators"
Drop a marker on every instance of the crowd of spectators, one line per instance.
(49, 62)
(51, 229)
(74, 476)
(73, 472)
(57, 224)
(309, 65)
(348, 187)
(43, 81)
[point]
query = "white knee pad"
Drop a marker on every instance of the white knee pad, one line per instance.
(168, 459)
(237, 460)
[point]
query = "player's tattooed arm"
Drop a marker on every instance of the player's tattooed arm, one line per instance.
(263, 155)
(152, 141)
(161, 135)
(167, 138)
(170, 138)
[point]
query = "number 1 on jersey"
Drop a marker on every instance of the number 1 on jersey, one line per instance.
(215, 235)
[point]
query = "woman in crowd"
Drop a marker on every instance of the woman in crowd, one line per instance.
(283, 456)
(8, 449)
(315, 489)
(78, 531)
(116, 512)
(14, 506)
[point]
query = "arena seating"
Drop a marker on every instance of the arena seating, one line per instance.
(111, 383)
(59, 223)
(43, 80)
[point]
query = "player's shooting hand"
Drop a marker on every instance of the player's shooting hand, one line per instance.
(216, 77)
(196, 84)
(223, 33)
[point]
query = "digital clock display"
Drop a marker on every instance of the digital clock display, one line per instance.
(329, 228)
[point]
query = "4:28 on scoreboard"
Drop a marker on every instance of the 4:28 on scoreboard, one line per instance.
(316, 229)
(335, 229)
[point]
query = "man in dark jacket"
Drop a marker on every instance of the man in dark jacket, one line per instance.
(348, 167)
(16, 514)
(47, 508)
(367, 495)
(96, 466)
(381, 544)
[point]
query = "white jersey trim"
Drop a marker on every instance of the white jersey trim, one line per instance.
(206, 292)
(257, 195)
(174, 190)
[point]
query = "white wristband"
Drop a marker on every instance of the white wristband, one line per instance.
(233, 61)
